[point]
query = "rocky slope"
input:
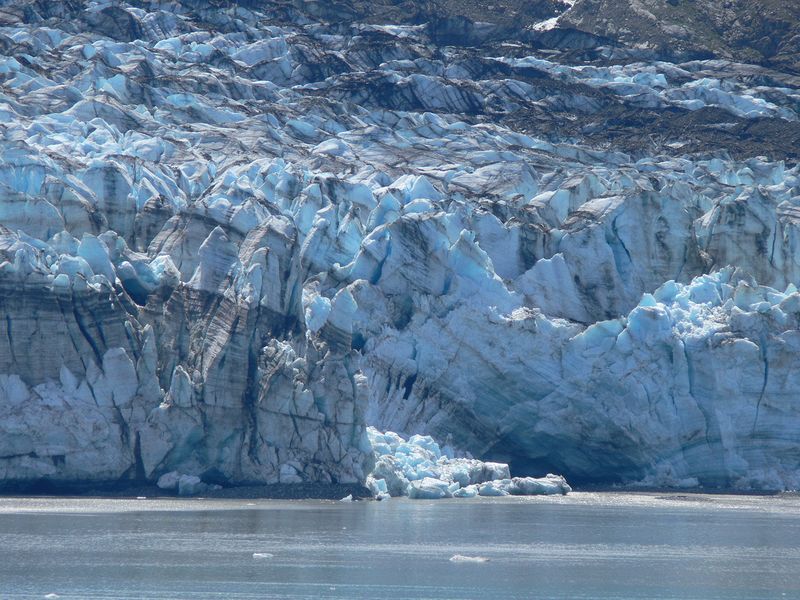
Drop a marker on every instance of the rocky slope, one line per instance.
(233, 234)
(759, 31)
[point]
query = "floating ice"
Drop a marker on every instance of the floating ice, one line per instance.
(460, 558)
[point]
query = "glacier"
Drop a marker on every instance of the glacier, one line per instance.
(233, 237)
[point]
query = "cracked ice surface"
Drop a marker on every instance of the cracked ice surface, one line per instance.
(230, 240)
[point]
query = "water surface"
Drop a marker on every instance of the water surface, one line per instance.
(585, 545)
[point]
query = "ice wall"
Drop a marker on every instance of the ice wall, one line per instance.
(230, 239)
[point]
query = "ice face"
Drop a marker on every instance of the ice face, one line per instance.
(228, 241)
(644, 383)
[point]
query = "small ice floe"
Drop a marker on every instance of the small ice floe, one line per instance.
(348, 498)
(141, 497)
(460, 558)
(262, 555)
(52, 596)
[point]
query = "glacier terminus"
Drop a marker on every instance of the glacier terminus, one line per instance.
(243, 242)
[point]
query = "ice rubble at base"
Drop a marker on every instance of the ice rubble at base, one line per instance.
(418, 468)
(185, 485)
(698, 382)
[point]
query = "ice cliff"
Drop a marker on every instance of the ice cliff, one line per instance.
(234, 234)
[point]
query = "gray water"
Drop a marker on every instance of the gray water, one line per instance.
(585, 545)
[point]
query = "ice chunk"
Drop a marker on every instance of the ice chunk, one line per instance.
(332, 147)
(317, 308)
(494, 470)
(531, 486)
(498, 487)
(169, 481)
(392, 471)
(426, 442)
(429, 488)
(460, 558)
(377, 486)
(191, 485)
(471, 491)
